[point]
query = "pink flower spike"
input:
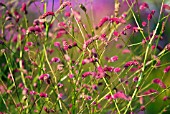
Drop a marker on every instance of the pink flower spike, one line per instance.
(60, 95)
(55, 59)
(166, 7)
(23, 8)
(26, 49)
(144, 23)
(44, 76)
(116, 70)
(67, 14)
(29, 44)
(126, 51)
(113, 59)
(102, 21)
(159, 82)
(71, 76)
(57, 44)
(43, 95)
(120, 95)
(166, 70)
(143, 6)
(150, 91)
(115, 33)
(46, 14)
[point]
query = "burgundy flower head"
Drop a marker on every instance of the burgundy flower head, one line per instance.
(166, 70)
(42, 94)
(102, 21)
(120, 95)
(144, 6)
(159, 82)
(46, 14)
(113, 59)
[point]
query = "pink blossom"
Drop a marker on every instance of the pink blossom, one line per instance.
(144, 23)
(55, 59)
(143, 6)
(42, 94)
(26, 49)
(60, 95)
(159, 82)
(67, 14)
(135, 79)
(71, 75)
(166, 70)
(113, 59)
(57, 44)
(25, 91)
(46, 14)
(120, 95)
(23, 8)
(116, 70)
(166, 7)
(33, 93)
(44, 76)
(103, 20)
(150, 91)
(126, 51)
(115, 33)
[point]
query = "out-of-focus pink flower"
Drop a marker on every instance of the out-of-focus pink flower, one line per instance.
(103, 20)
(42, 94)
(166, 7)
(113, 59)
(46, 14)
(120, 95)
(116, 70)
(23, 8)
(55, 59)
(144, 6)
(166, 70)
(144, 23)
(150, 91)
(57, 44)
(126, 51)
(159, 82)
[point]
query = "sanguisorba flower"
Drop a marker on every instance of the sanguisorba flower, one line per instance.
(159, 82)
(166, 70)
(42, 94)
(121, 95)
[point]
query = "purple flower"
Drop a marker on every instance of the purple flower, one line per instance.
(113, 59)
(166, 70)
(159, 82)
(71, 75)
(166, 7)
(135, 79)
(120, 95)
(144, 23)
(44, 77)
(57, 44)
(150, 91)
(130, 63)
(33, 93)
(86, 74)
(46, 14)
(23, 8)
(143, 6)
(60, 95)
(25, 91)
(117, 69)
(103, 20)
(55, 59)
(42, 94)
